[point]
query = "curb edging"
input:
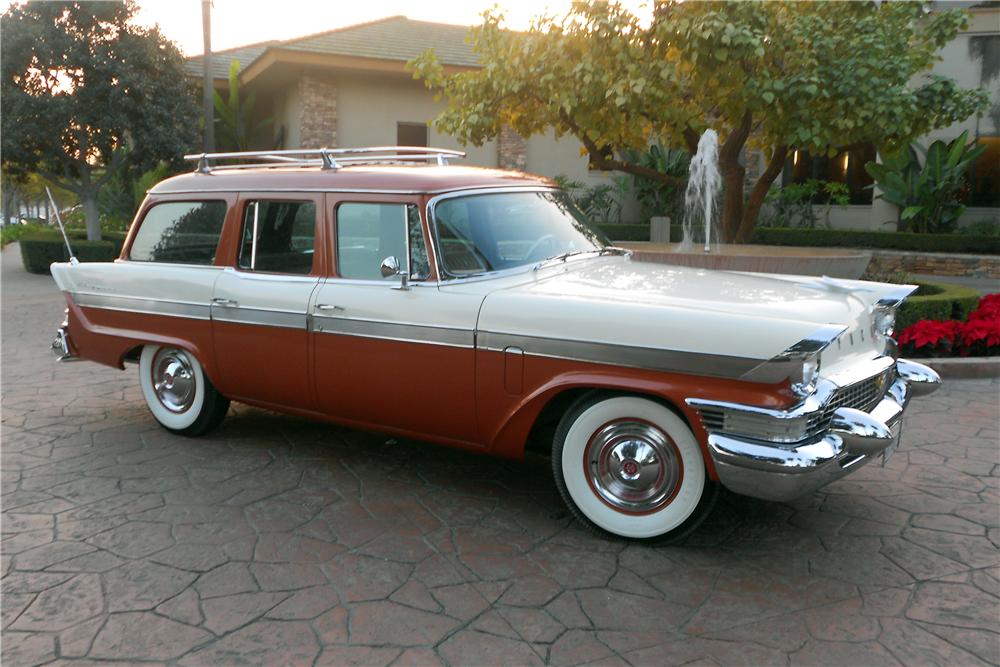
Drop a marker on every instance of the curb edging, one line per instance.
(964, 367)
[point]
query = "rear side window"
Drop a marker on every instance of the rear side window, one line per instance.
(278, 236)
(180, 233)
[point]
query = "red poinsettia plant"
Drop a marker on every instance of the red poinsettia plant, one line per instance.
(979, 336)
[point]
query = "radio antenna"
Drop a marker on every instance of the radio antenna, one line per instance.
(72, 257)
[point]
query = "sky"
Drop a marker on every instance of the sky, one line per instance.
(239, 22)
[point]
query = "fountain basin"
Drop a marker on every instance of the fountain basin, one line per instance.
(837, 263)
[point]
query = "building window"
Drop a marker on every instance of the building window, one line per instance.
(847, 167)
(411, 134)
(982, 180)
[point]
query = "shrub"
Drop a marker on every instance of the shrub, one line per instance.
(40, 249)
(937, 301)
(11, 233)
(967, 243)
(978, 336)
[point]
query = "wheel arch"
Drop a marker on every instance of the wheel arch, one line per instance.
(537, 416)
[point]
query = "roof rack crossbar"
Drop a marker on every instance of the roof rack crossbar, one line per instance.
(325, 158)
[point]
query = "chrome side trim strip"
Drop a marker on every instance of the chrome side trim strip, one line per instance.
(261, 316)
(410, 333)
(896, 296)
(655, 359)
(134, 304)
(787, 364)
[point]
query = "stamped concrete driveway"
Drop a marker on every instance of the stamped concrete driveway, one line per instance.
(278, 541)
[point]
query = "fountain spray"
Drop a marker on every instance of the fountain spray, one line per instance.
(702, 194)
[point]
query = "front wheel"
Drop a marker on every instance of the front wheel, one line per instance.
(177, 392)
(631, 467)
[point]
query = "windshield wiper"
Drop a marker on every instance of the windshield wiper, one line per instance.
(561, 258)
(614, 250)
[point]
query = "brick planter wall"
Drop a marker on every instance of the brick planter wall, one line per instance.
(938, 263)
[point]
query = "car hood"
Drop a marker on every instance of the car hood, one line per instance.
(620, 302)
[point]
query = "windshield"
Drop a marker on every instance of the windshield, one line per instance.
(491, 232)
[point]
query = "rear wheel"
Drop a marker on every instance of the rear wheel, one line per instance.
(630, 467)
(177, 392)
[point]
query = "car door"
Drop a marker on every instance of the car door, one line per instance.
(260, 304)
(384, 356)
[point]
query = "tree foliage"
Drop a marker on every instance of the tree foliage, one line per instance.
(776, 75)
(86, 93)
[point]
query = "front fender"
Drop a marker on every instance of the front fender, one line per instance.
(508, 435)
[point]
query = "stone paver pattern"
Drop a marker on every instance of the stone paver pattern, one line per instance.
(275, 540)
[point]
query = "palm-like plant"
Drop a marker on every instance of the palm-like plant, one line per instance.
(926, 191)
(234, 120)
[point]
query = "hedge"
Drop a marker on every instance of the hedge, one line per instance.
(937, 301)
(847, 238)
(39, 250)
(853, 238)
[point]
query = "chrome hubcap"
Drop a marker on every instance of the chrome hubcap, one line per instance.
(633, 466)
(173, 379)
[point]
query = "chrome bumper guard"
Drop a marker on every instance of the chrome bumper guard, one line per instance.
(60, 346)
(784, 471)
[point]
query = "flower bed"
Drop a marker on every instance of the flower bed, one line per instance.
(978, 336)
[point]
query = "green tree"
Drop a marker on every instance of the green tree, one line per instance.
(86, 93)
(778, 76)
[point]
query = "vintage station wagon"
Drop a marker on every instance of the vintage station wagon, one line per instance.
(386, 289)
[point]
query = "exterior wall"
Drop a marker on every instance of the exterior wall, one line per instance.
(956, 63)
(369, 106)
(287, 114)
(549, 156)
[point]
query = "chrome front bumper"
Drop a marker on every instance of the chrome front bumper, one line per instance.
(783, 471)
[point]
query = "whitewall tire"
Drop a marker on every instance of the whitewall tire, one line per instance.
(631, 467)
(177, 392)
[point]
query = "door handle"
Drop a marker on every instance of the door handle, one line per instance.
(327, 306)
(226, 303)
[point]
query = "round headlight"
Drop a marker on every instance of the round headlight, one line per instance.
(883, 322)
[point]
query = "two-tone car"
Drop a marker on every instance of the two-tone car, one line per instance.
(387, 289)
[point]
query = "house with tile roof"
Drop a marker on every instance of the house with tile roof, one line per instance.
(349, 87)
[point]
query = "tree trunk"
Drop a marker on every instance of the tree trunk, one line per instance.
(732, 178)
(732, 197)
(759, 193)
(91, 215)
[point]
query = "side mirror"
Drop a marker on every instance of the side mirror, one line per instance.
(390, 267)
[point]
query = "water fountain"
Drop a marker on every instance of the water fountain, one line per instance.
(701, 200)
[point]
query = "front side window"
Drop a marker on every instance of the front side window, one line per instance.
(278, 237)
(367, 234)
(492, 232)
(180, 233)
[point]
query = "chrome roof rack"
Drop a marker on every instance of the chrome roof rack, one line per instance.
(325, 158)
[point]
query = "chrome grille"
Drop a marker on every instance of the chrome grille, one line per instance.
(864, 395)
(713, 419)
